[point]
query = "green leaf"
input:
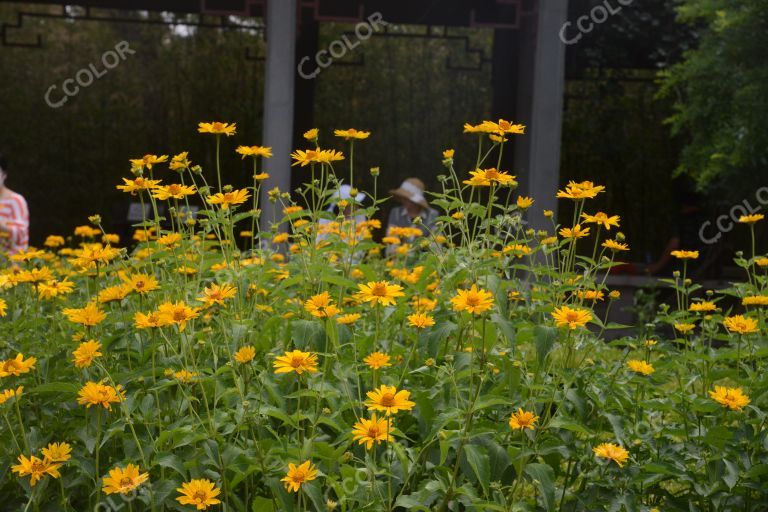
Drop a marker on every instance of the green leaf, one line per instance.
(172, 461)
(477, 458)
(308, 334)
(731, 476)
(544, 338)
(261, 504)
(55, 387)
(544, 479)
(505, 326)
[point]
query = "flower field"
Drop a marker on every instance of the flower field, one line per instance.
(215, 366)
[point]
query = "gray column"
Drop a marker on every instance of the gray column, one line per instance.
(540, 102)
(280, 72)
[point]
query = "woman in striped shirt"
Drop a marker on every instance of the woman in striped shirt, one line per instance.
(14, 216)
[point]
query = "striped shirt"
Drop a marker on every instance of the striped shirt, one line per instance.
(14, 222)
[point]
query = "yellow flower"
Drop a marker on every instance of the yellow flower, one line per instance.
(389, 400)
(762, 262)
(311, 134)
(35, 275)
(602, 219)
(254, 151)
(316, 156)
(180, 161)
(217, 128)
(124, 481)
(7, 394)
(173, 191)
(89, 315)
(140, 283)
(421, 320)
(35, 468)
(448, 154)
(86, 352)
(86, 231)
(521, 420)
(519, 250)
(57, 452)
(372, 431)
(296, 361)
(170, 240)
(200, 493)
(245, 354)
(638, 366)
(702, 307)
(486, 177)
(684, 328)
(613, 452)
(17, 366)
(379, 292)
(54, 241)
(751, 219)
(475, 300)
(321, 306)
(53, 289)
(147, 161)
(583, 190)
(96, 393)
(573, 318)
(575, 232)
(113, 293)
(524, 202)
(741, 324)
(135, 185)
(423, 304)
(227, 199)
(733, 398)
(298, 475)
(756, 300)
(217, 294)
(177, 313)
(150, 320)
(261, 176)
(685, 255)
(110, 238)
(351, 134)
(27, 255)
(593, 295)
(377, 360)
(184, 376)
(349, 318)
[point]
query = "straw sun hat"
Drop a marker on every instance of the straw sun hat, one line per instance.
(413, 190)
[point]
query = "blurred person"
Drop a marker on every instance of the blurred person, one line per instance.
(413, 204)
(346, 209)
(14, 215)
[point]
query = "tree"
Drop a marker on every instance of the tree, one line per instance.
(720, 91)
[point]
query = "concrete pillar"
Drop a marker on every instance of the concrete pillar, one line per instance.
(540, 106)
(280, 73)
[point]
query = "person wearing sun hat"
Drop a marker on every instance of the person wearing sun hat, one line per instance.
(410, 195)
